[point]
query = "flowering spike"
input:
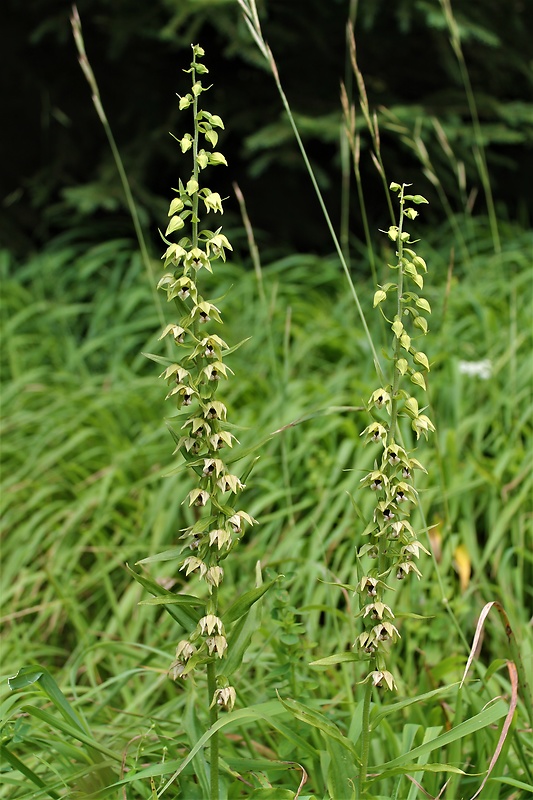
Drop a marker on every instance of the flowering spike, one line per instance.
(392, 541)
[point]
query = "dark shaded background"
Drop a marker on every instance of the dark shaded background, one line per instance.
(57, 176)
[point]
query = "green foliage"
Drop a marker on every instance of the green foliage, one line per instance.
(60, 174)
(82, 433)
(91, 711)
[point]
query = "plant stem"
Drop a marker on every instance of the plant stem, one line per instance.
(195, 169)
(365, 738)
(397, 346)
(213, 716)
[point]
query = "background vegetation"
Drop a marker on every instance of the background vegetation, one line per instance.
(60, 175)
(85, 451)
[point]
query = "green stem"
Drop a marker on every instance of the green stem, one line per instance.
(365, 738)
(214, 743)
(397, 346)
(195, 168)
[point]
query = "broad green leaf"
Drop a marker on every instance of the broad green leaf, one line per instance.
(175, 599)
(317, 720)
(245, 601)
(158, 359)
(342, 771)
(336, 658)
(183, 614)
(165, 555)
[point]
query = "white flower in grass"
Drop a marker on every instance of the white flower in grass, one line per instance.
(230, 483)
(368, 585)
(367, 642)
(376, 480)
(214, 576)
(176, 670)
(403, 569)
(377, 610)
(396, 455)
(413, 549)
(210, 624)
(217, 645)
(213, 202)
(177, 332)
(422, 424)
(220, 537)
(213, 466)
(385, 631)
(236, 520)
(374, 433)
(476, 369)
(225, 698)
(379, 398)
(198, 497)
(191, 564)
(379, 676)
(184, 650)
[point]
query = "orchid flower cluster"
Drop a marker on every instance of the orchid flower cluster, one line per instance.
(393, 547)
(195, 376)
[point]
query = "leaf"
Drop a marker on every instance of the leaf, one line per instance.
(317, 720)
(186, 617)
(265, 712)
(166, 555)
(342, 771)
(77, 733)
(158, 359)
(176, 599)
(490, 714)
(418, 700)
(26, 676)
(337, 658)
(19, 765)
(237, 609)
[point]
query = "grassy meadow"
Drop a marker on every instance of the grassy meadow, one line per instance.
(90, 489)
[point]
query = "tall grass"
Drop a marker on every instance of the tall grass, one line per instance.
(84, 455)
(88, 489)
